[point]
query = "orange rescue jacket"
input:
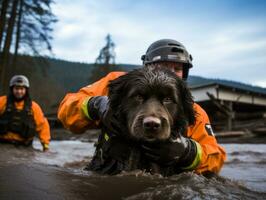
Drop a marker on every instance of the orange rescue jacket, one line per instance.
(42, 125)
(71, 115)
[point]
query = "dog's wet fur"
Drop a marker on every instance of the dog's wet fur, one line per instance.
(151, 104)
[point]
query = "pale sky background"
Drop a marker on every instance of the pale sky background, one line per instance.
(227, 38)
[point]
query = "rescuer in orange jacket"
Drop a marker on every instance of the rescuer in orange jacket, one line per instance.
(77, 111)
(20, 117)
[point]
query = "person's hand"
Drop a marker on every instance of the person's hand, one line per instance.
(98, 109)
(179, 150)
(45, 147)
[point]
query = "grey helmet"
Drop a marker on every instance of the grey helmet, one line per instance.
(19, 80)
(168, 50)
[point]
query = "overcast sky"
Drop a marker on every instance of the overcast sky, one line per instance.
(227, 38)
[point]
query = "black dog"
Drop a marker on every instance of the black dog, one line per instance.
(150, 105)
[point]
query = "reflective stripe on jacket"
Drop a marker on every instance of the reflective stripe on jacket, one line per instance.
(73, 118)
(42, 125)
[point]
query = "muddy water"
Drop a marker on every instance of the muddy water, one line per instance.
(247, 164)
(57, 174)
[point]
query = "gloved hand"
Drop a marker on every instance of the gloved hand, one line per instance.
(181, 151)
(98, 109)
(45, 147)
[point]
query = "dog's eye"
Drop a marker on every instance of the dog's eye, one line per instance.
(139, 98)
(167, 100)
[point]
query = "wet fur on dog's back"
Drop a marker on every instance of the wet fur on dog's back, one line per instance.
(150, 105)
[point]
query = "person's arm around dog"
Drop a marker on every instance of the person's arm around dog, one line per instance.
(197, 151)
(213, 155)
(73, 110)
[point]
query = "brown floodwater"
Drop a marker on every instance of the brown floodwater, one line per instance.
(28, 173)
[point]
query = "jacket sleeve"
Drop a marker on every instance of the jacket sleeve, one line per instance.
(42, 125)
(212, 154)
(70, 111)
(3, 100)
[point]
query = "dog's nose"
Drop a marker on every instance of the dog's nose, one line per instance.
(151, 123)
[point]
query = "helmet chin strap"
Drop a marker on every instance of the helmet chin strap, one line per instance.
(185, 73)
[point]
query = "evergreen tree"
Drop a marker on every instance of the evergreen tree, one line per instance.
(25, 26)
(107, 53)
(105, 62)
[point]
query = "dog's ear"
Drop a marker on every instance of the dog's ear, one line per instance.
(187, 101)
(117, 89)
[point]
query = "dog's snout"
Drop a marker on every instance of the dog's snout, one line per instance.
(151, 123)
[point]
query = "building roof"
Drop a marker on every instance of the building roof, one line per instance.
(198, 82)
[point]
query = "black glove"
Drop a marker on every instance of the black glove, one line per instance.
(181, 151)
(98, 109)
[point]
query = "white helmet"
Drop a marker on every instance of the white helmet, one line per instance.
(19, 80)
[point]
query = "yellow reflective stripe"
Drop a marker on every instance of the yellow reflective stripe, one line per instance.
(106, 137)
(84, 107)
(197, 160)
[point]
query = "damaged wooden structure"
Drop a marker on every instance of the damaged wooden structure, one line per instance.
(231, 106)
